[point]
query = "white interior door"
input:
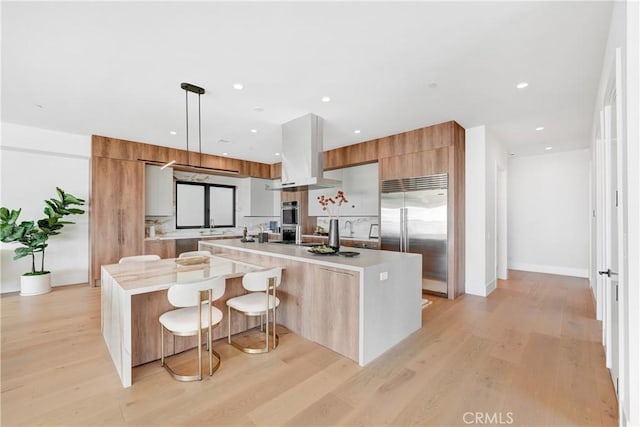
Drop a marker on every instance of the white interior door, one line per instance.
(611, 215)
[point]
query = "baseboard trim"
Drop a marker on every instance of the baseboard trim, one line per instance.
(550, 269)
(490, 287)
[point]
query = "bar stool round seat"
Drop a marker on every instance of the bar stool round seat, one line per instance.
(253, 304)
(183, 320)
(191, 318)
(260, 301)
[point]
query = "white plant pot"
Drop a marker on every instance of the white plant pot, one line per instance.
(35, 285)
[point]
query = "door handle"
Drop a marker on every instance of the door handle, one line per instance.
(607, 273)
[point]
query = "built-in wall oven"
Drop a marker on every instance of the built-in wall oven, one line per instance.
(290, 220)
(290, 214)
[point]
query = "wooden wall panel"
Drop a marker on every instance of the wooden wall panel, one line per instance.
(428, 162)
(351, 155)
(414, 164)
(128, 150)
(102, 146)
(116, 211)
(423, 139)
(336, 308)
(276, 170)
(459, 210)
(163, 248)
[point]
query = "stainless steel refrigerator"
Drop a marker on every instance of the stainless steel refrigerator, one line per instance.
(413, 218)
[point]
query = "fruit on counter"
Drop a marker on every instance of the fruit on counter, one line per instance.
(323, 249)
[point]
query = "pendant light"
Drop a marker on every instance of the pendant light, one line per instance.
(188, 87)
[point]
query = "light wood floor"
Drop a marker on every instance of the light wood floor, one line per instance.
(529, 353)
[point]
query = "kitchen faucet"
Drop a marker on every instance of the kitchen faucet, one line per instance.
(350, 227)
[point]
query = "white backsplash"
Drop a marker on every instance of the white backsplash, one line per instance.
(361, 225)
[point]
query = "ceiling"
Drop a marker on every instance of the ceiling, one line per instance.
(115, 68)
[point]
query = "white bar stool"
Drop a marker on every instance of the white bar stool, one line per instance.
(192, 317)
(258, 302)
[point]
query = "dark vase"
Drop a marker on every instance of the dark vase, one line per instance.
(334, 234)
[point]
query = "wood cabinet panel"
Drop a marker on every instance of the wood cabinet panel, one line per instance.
(312, 295)
(430, 162)
(423, 139)
(102, 146)
(116, 211)
(336, 302)
(163, 248)
(162, 154)
(275, 170)
(421, 163)
(351, 155)
(456, 235)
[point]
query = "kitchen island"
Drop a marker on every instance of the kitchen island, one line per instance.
(357, 306)
(134, 295)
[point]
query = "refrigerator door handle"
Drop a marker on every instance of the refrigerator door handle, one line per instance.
(401, 229)
(406, 229)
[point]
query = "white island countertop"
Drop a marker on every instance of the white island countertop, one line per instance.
(357, 306)
(366, 258)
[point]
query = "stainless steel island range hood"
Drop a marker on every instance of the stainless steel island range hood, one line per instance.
(302, 153)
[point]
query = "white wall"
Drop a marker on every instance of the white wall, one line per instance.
(548, 211)
(34, 162)
(475, 207)
(496, 159)
(484, 155)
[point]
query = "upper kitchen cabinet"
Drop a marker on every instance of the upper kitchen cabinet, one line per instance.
(261, 200)
(360, 186)
(158, 191)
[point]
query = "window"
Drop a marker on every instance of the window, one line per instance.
(201, 205)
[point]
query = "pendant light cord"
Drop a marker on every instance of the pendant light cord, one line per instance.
(188, 87)
(186, 105)
(199, 132)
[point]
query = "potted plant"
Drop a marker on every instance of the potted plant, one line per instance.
(32, 236)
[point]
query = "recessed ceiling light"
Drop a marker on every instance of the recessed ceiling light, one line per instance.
(238, 86)
(223, 141)
(254, 130)
(277, 154)
(173, 132)
(548, 148)
(258, 109)
(225, 154)
(540, 128)
(325, 99)
(522, 85)
(356, 131)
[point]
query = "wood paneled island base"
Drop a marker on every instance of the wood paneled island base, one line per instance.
(134, 295)
(359, 307)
